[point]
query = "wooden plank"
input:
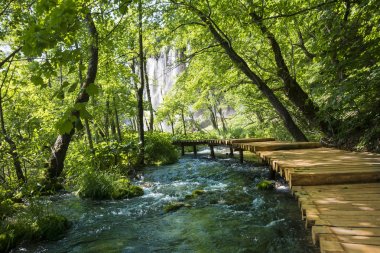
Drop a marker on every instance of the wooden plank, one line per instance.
(351, 239)
(335, 188)
(337, 177)
(354, 223)
(343, 231)
(331, 246)
(360, 248)
(265, 146)
(245, 140)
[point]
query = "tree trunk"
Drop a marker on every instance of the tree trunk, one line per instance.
(222, 119)
(86, 123)
(107, 120)
(89, 136)
(12, 145)
(113, 129)
(183, 122)
(61, 145)
(292, 88)
(213, 118)
(151, 112)
(120, 138)
(261, 85)
(140, 93)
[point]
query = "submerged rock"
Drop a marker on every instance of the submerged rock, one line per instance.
(195, 194)
(174, 206)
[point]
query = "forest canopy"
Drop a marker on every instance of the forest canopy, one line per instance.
(76, 78)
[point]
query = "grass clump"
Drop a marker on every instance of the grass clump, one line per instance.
(102, 185)
(34, 223)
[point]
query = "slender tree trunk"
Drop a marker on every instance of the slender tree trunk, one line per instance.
(222, 119)
(213, 118)
(89, 136)
(183, 121)
(151, 112)
(292, 88)
(171, 121)
(243, 66)
(86, 123)
(140, 93)
(107, 120)
(12, 145)
(113, 129)
(61, 145)
(120, 138)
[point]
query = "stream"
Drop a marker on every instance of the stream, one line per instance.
(231, 215)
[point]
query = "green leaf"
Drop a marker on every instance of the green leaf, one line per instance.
(85, 114)
(92, 89)
(60, 94)
(65, 127)
(78, 124)
(72, 87)
(65, 84)
(37, 80)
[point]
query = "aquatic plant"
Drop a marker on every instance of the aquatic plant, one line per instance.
(265, 185)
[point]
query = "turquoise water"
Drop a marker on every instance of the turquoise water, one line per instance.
(231, 216)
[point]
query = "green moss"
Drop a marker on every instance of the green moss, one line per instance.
(265, 185)
(128, 191)
(174, 206)
(195, 194)
(52, 226)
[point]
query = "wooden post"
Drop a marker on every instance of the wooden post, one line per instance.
(241, 155)
(183, 149)
(195, 149)
(231, 152)
(212, 153)
(272, 173)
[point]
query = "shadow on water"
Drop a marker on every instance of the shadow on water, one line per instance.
(231, 215)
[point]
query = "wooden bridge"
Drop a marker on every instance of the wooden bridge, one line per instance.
(338, 191)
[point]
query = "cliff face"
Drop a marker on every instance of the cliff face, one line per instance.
(162, 73)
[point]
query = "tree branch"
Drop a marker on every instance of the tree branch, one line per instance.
(10, 56)
(300, 11)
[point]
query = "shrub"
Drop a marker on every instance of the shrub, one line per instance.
(101, 185)
(31, 224)
(159, 149)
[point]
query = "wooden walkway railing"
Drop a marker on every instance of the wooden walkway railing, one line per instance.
(338, 191)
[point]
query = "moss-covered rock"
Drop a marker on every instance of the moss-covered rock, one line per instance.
(195, 194)
(128, 191)
(174, 206)
(265, 185)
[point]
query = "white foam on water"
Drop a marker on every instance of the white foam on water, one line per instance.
(273, 223)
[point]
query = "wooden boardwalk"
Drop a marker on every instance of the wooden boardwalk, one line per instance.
(338, 191)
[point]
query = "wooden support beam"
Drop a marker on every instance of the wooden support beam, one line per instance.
(231, 152)
(241, 157)
(195, 149)
(212, 153)
(272, 173)
(182, 149)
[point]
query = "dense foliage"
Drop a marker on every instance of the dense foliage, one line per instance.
(76, 95)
